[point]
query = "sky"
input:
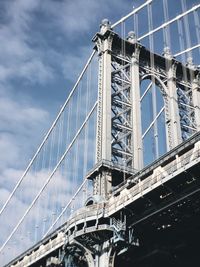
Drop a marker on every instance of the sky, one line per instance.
(43, 46)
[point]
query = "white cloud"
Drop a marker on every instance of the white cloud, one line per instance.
(18, 58)
(36, 71)
(21, 124)
(67, 18)
(72, 64)
(21, 120)
(45, 208)
(9, 151)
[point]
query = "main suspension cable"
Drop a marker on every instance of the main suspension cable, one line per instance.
(48, 133)
(49, 178)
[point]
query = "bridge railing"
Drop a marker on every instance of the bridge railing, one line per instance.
(145, 181)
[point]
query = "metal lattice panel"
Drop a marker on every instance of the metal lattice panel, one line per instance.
(122, 150)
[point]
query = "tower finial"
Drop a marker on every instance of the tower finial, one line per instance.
(105, 25)
(167, 53)
(132, 37)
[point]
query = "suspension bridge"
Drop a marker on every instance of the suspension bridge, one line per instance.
(115, 181)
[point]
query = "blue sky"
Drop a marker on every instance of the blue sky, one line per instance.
(44, 45)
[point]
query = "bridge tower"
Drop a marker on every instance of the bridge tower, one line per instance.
(95, 238)
(123, 66)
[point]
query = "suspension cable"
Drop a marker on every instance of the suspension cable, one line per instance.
(187, 50)
(65, 208)
(166, 30)
(48, 133)
(169, 22)
(197, 26)
(49, 178)
(131, 13)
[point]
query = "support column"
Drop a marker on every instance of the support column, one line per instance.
(136, 107)
(196, 102)
(106, 103)
(103, 255)
(76, 252)
(102, 183)
(172, 111)
(105, 258)
(103, 42)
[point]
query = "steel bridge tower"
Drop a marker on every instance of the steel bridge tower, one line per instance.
(99, 233)
(123, 65)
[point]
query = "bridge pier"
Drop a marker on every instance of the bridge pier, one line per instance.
(172, 110)
(97, 243)
(105, 256)
(79, 255)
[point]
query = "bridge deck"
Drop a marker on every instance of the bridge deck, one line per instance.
(169, 168)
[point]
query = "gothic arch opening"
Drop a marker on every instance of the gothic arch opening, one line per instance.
(152, 100)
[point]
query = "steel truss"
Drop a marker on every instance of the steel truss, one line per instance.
(122, 150)
(186, 111)
(123, 65)
(183, 80)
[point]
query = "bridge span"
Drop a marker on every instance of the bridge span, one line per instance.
(124, 181)
(154, 214)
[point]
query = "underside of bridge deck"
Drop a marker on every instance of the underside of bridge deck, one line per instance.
(167, 246)
(167, 224)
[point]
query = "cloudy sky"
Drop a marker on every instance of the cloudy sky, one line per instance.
(43, 46)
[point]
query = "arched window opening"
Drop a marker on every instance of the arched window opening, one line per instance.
(153, 120)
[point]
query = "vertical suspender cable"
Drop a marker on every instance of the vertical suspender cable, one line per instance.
(85, 161)
(48, 133)
(135, 18)
(186, 26)
(75, 159)
(197, 26)
(131, 13)
(181, 39)
(154, 107)
(166, 30)
(49, 178)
